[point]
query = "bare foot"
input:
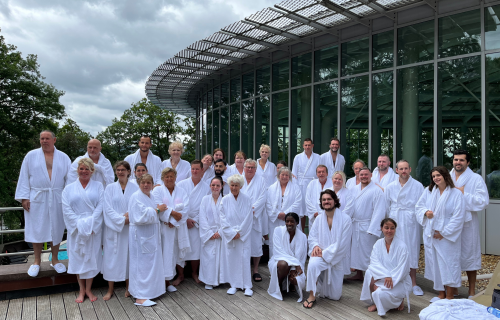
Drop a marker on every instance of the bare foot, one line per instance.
(372, 308)
(401, 306)
(140, 301)
(178, 281)
(108, 296)
(91, 296)
(195, 277)
(127, 294)
(356, 277)
(455, 291)
(80, 297)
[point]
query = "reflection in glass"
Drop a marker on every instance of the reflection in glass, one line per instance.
(235, 129)
(204, 134)
(247, 127)
(355, 57)
(460, 108)
(301, 69)
(326, 64)
(248, 85)
(459, 34)
(354, 116)
(204, 104)
(301, 118)
(415, 117)
(263, 80)
(493, 124)
(235, 90)
(416, 43)
(199, 123)
(224, 93)
(382, 115)
(216, 128)
(281, 75)
(492, 27)
(209, 100)
(383, 50)
(280, 126)
(224, 129)
(216, 97)
(325, 115)
(262, 122)
(209, 132)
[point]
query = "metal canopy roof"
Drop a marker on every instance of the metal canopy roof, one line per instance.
(266, 30)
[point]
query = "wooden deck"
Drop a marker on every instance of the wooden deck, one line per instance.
(192, 301)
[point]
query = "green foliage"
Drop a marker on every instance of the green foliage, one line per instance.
(72, 140)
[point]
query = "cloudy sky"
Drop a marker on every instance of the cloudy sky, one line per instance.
(102, 52)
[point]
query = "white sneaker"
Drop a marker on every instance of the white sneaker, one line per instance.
(209, 287)
(248, 292)
(418, 291)
(33, 270)
(171, 288)
(59, 267)
(231, 291)
(435, 299)
(147, 303)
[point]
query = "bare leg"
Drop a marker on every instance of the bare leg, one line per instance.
(55, 254)
(442, 294)
(37, 248)
(310, 299)
(449, 293)
(81, 295)
(283, 270)
(358, 276)
(303, 222)
(373, 287)
(402, 305)
(471, 275)
(256, 261)
(413, 276)
(111, 288)
(127, 294)
(180, 276)
(88, 289)
(195, 265)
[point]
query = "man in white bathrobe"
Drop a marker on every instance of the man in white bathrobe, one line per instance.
(356, 168)
(103, 168)
(196, 190)
(144, 155)
(476, 198)
(328, 246)
(41, 182)
(332, 159)
(401, 197)
(220, 170)
(366, 207)
(383, 173)
(313, 190)
(304, 169)
(256, 188)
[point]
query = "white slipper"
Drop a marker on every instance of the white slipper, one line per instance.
(470, 297)
(147, 303)
(59, 267)
(435, 299)
(33, 270)
(209, 287)
(248, 292)
(171, 288)
(418, 291)
(231, 291)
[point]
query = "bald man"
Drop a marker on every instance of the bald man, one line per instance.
(103, 169)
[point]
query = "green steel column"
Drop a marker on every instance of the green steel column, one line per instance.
(409, 114)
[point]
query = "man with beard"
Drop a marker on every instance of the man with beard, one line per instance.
(220, 169)
(144, 155)
(476, 198)
(383, 175)
(332, 159)
(103, 169)
(401, 197)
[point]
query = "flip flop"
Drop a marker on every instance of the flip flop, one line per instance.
(310, 304)
(255, 276)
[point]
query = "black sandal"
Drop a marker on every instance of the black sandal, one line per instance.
(255, 276)
(310, 304)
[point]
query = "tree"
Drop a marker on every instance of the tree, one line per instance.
(72, 140)
(189, 139)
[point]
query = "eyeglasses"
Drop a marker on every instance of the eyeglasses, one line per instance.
(251, 167)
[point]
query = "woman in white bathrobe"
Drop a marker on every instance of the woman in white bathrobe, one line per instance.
(208, 169)
(287, 265)
(116, 224)
(267, 170)
(387, 280)
(139, 170)
(210, 233)
(339, 187)
(441, 211)
(82, 203)
(183, 168)
(239, 163)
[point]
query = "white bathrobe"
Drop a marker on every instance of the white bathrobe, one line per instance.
(257, 191)
(103, 170)
(476, 198)
(325, 274)
(233, 170)
(208, 175)
(351, 183)
(153, 164)
(294, 253)
(146, 274)
(400, 205)
(236, 217)
(44, 222)
(304, 169)
(82, 210)
(367, 209)
(326, 159)
(115, 259)
(183, 169)
(210, 257)
(442, 257)
(388, 178)
(312, 198)
(344, 196)
(195, 195)
(175, 241)
(268, 173)
(393, 264)
(276, 203)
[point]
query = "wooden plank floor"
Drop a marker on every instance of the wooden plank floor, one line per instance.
(192, 301)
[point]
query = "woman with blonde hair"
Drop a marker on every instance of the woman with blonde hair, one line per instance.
(265, 167)
(239, 162)
(183, 168)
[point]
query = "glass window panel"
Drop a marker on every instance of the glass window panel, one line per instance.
(459, 34)
(235, 129)
(493, 124)
(224, 129)
(263, 79)
(248, 85)
(200, 135)
(460, 108)
(235, 90)
(325, 115)
(224, 93)
(262, 122)
(247, 128)
(216, 128)
(204, 104)
(492, 27)
(281, 75)
(383, 50)
(355, 120)
(355, 57)
(209, 101)
(382, 115)
(209, 132)
(216, 97)
(326, 64)
(204, 135)
(301, 69)
(416, 43)
(301, 117)
(415, 117)
(280, 125)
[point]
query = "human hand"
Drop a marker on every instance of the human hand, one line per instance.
(237, 236)
(26, 204)
(461, 189)
(127, 221)
(190, 223)
(317, 252)
(299, 270)
(281, 216)
(316, 214)
(437, 235)
(176, 215)
(429, 214)
(388, 283)
(170, 225)
(162, 207)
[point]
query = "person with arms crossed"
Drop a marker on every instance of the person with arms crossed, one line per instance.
(144, 155)
(332, 159)
(182, 167)
(103, 170)
(383, 174)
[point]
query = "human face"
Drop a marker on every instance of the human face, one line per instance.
(146, 186)
(334, 146)
(308, 146)
(215, 186)
(196, 171)
(284, 178)
(264, 153)
(357, 167)
(46, 141)
(389, 230)
(169, 180)
(122, 172)
(383, 163)
(404, 170)
(218, 155)
(250, 170)
(321, 174)
(291, 224)
(460, 163)
(438, 179)
(239, 161)
(175, 152)
(365, 176)
(279, 166)
(84, 173)
(145, 144)
(207, 161)
(219, 168)
(140, 171)
(338, 182)
(235, 188)
(327, 202)
(94, 148)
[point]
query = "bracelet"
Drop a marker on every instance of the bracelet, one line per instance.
(158, 210)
